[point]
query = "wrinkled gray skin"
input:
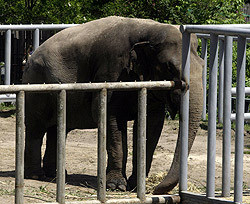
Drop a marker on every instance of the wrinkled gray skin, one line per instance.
(109, 49)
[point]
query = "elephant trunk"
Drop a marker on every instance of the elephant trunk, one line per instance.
(195, 110)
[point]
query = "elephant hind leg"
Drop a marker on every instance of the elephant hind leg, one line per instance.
(32, 155)
(49, 159)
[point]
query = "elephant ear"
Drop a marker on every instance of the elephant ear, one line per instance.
(143, 59)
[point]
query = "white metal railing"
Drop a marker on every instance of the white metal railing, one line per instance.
(61, 134)
(229, 31)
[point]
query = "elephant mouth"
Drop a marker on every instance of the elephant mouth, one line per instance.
(180, 84)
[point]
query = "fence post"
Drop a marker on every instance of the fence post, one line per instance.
(212, 106)
(19, 173)
(221, 79)
(141, 144)
(226, 175)
(240, 109)
(36, 37)
(204, 76)
(184, 112)
(61, 137)
(7, 57)
(102, 132)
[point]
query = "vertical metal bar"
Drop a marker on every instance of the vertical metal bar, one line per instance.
(226, 175)
(102, 132)
(212, 106)
(19, 174)
(204, 76)
(7, 57)
(221, 79)
(184, 112)
(61, 136)
(240, 108)
(36, 39)
(141, 144)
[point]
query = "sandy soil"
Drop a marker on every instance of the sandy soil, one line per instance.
(81, 164)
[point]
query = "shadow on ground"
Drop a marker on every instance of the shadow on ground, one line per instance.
(83, 180)
(6, 114)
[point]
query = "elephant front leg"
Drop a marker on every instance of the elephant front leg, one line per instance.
(32, 155)
(117, 153)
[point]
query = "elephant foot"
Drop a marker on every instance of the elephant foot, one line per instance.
(51, 173)
(115, 181)
(34, 174)
(132, 183)
(166, 185)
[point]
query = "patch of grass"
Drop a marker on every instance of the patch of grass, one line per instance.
(246, 152)
(204, 125)
(6, 192)
(246, 126)
(7, 107)
(7, 110)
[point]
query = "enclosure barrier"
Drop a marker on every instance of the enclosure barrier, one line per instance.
(219, 34)
(229, 31)
(225, 48)
(36, 28)
(61, 134)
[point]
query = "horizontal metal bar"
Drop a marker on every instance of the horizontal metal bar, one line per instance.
(247, 91)
(217, 29)
(91, 86)
(188, 197)
(36, 26)
(153, 199)
(246, 116)
(7, 98)
(221, 37)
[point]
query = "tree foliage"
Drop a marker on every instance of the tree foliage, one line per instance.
(40, 11)
(79, 11)
(179, 11)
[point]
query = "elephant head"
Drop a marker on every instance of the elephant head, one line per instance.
(158, 59)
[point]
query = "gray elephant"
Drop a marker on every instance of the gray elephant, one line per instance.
(110, 49)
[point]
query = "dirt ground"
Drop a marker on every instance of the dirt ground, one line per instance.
(81, 164)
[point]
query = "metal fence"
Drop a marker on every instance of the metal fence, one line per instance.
(61, 135)
(7, 30)
(223, 50)
(228, 32)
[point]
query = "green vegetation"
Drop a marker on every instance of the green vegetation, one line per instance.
(79, 11)
(7, 107)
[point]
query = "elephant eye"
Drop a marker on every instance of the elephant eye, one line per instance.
(171, 71)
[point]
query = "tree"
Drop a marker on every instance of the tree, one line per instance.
(79, 11)
(40, 11)
(179, 11)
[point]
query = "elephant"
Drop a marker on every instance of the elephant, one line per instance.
(110, 49)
